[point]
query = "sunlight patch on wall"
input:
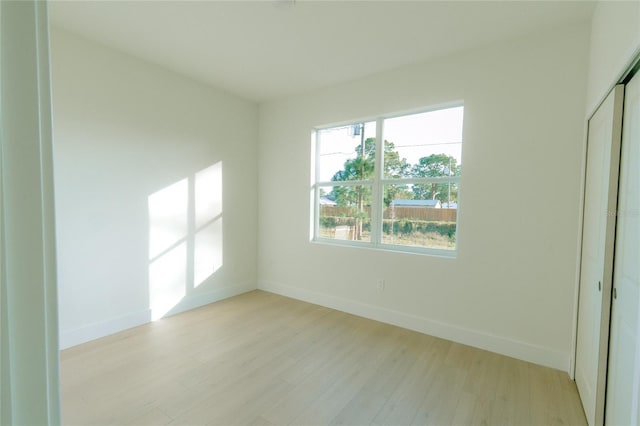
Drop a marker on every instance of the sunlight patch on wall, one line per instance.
(208, 194)
(208, 238)
(167, 278)
(168, 230)
(168, 210)
(208, 251)
(185, 237)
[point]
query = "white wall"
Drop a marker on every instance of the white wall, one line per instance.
(124, 130)
(510, 289)
(615, 38)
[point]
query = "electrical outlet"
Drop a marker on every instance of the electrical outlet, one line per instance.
(380, 285)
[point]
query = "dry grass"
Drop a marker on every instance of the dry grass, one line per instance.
(414, 239)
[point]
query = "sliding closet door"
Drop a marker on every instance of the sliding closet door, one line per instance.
(603, 153)
(623, 383)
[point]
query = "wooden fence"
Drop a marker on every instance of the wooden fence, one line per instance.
(415, 213)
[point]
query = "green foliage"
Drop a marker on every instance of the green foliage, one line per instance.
(362, 167)
(333, 221)
(349, 195)
(359, 168)
(394, 166)
(436, 165)
(406, 226)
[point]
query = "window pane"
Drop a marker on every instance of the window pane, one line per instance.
(424, 145)
(412, 217)
(345, 213)
(341, 155)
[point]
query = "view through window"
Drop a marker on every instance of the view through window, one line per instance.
(392, 182)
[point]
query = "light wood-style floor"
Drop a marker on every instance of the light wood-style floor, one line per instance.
(263, 359)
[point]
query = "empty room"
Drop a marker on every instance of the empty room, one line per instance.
(298, 212)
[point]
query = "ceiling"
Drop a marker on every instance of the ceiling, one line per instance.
(263, 50)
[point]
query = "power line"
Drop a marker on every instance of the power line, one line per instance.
(429, 144)
(397, 146)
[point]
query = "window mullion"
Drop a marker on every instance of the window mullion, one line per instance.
(377, 192)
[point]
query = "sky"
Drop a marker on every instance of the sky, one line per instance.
(414, 136)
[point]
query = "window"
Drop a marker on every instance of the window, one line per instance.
(390, 183)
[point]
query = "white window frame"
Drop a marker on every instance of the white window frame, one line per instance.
(377, 185)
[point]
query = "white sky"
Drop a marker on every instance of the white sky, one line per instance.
(415, 136)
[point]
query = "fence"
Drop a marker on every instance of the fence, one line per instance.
(415, 213)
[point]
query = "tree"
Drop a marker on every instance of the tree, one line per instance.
(436, 165)
(359, 168)
(395, 167)
(362, 168)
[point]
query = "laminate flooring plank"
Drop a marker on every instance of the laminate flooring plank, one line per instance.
(223, 374)
(328, 405)
(510, 405)
(404, 402)
(548, 400)
(369, 400)
(484, 374)
(465, 409)
(264, 359)
(351, 350)
(439, 405)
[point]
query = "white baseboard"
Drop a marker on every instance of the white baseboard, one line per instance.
(195, 301)
(96, 330)
(86, 333)
(504, 346)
